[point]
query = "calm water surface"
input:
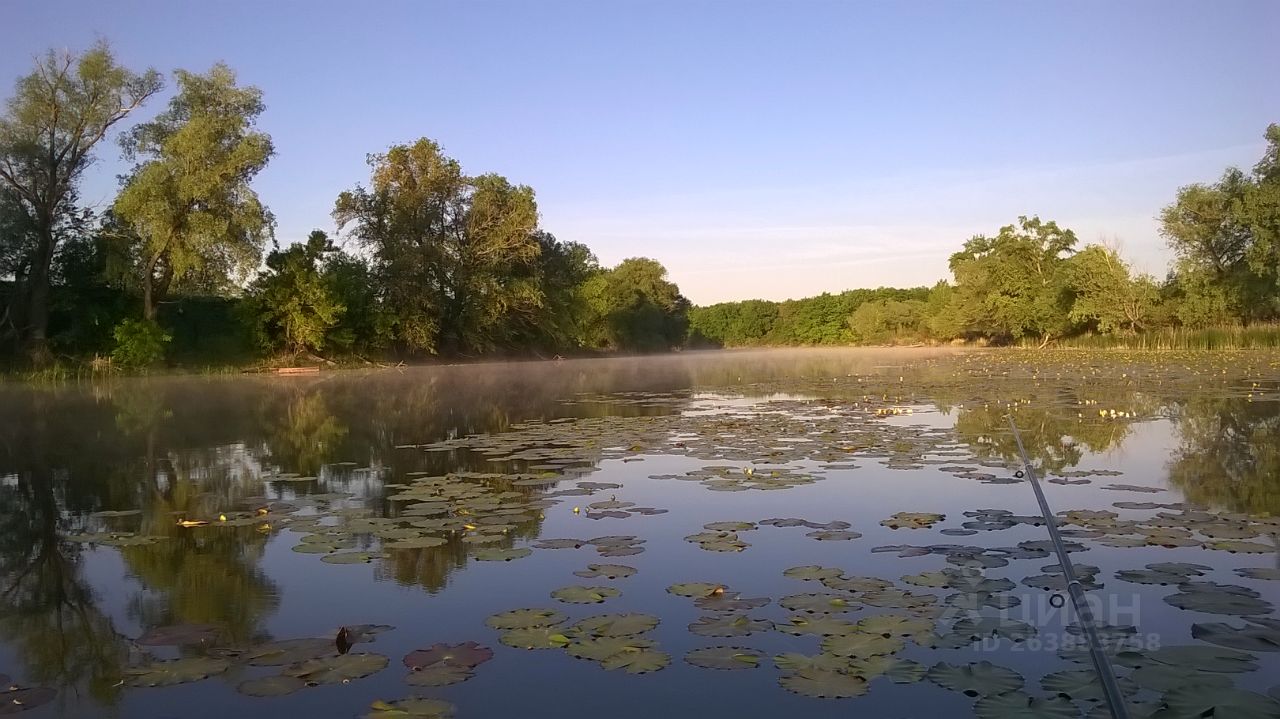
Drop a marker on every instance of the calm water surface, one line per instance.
(100, 583)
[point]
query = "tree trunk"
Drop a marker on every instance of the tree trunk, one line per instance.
(38, 300)
(148, 305)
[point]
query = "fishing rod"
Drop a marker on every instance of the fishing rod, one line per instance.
(1101, 663)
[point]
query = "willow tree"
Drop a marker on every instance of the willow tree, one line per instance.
(51, 124)
(189, 198)
(455, 254)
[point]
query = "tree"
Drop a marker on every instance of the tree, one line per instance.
(189, 199)
(885, 320)
(1229, 232)
(364, 325)
(561, 271)
(634, 307)
(292, 304)
(56, 117)
(1106, 295)
(455, 254)
(1013, 285)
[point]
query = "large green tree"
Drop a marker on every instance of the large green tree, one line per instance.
(51, 124)
(1015, 284)
(1107, 295)
(455, 255)
(634, 307)
(293, 305)
(1226, 236)
(189, 198)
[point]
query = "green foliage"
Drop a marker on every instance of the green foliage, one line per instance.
(633, 307)
(881, 321)
(1106, 296)
(294, 305)
(189, 200)
(455, 255)
(139, 343)
(51, 124)
(1015, 284)
(1227, 239)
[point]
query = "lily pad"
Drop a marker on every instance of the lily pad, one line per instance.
(695, 589)
(818, 603)
(412, 708)
(534, 638)
(15, 699)
(729, 626)
(525, 619)
(812, 572)
(337, 669)
(466, 654)
(584, 595)
(637, 661)
(978, 679)
(824, 684)
(175, 671)
(288, 651)
(608, 571)
(601, 648)
(442, 674)
(1248, 637)
(1017, 705)
(1195, 702)
(615, 625)
(861, 645)
(727, 658)
(818, 625)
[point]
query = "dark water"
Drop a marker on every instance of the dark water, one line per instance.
(819, 436)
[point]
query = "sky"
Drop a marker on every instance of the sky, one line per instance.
(758, 150)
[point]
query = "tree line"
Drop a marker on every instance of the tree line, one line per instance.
(1032, 282)
(183, 265)
(184, 262)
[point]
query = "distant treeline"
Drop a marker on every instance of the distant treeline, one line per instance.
(1032, 284)
(184, 266)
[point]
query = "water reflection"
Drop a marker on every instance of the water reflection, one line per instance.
(196, 448)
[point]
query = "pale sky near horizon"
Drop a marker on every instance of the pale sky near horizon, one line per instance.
(756, 149)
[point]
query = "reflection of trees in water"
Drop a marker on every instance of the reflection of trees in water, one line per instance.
(1230, 453)
(47, 609)
(1055, 440)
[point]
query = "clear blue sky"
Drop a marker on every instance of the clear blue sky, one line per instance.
(757, 149)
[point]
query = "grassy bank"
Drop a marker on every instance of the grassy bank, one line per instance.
(1255, 336)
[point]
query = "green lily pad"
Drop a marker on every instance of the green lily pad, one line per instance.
(601, 648)
(860, 645)
(288, 651)
(417, 543)
(978, 679)
(584, 595)
(439, 675)
(1082, 685)
(794, 662)
(1164, 677)
(1239, 547)
(898, 671)
(276, 685)
(819, 603)
(895, 625)
(982, 627)
(912, 520)
(534, 638)
(637, 661)
(412, 708)
(1203, 658)
(1195, 702)
(525, 619)
(337, 669)
(834, 535)
(824, 684)
(1219, 599)
(817, 625)
(730, 526)
(727, 658)
(1248, 637)
(729, 626)
(608, 571)
(175, 671)
(615, 625)
(1271, 574)
(812, 572)
(694, 589)
(1017, 705)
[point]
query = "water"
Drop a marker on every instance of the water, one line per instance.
(846, 436)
